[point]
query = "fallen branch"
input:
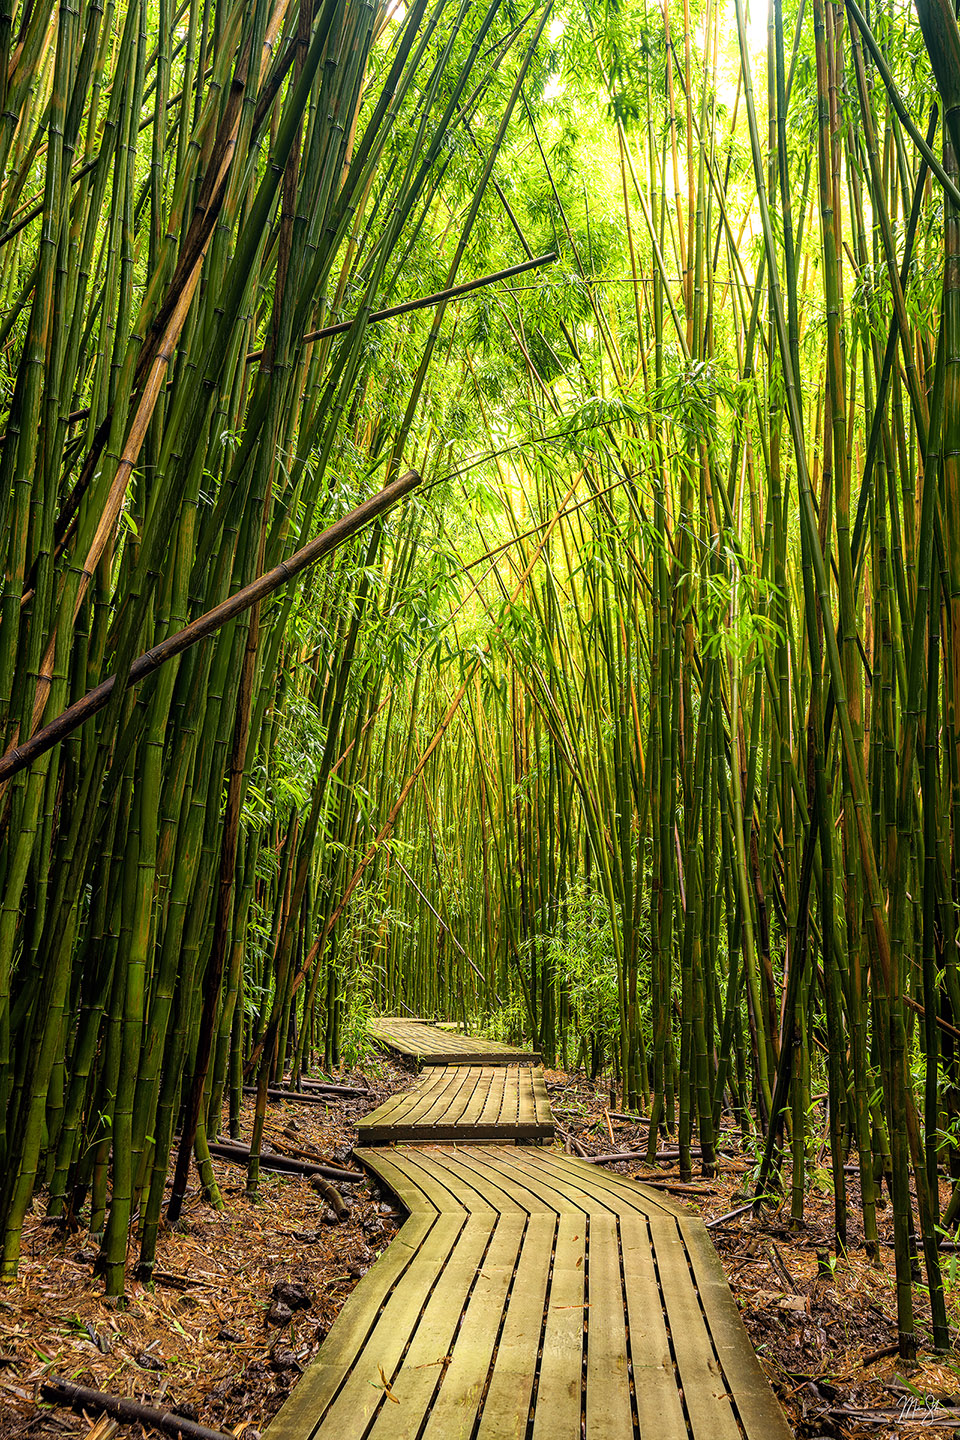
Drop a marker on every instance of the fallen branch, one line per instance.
(883, 1353)
(897, 1417)
(291, 1144)
(334, 1199)
(615, 1156)
(79, 1398)
(306, 1097)
(571, 1141)
(306, 1083)
(740, 1210)
(676, 1187)
(240, 1155)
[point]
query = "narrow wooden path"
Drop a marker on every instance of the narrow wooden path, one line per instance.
(532, 1296)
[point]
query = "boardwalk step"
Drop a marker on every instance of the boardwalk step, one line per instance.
(467, 1103)
(430, 1046)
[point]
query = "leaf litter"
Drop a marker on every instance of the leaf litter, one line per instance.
(199, 1341)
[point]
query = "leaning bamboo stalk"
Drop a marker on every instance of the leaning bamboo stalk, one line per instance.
(20, 756)
(439, 298)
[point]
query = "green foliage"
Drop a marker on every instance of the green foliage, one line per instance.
(583, 959)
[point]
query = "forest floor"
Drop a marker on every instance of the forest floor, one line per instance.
(204, 1340)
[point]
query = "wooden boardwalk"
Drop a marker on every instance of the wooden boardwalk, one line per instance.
(429, 1045)
(466, 1103)
(532, 1296)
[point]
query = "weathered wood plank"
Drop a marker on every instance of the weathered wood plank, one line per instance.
(463, 1385)
(304, 1413)
(507, 1402)
(361, 1392)
(618, 1191)
(608, 1412)
(757, 1406)
(424, 1365)
(704, 1385)
(659, 1411)
(558, 1404)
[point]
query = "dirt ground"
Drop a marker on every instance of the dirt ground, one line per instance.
(207, 1340)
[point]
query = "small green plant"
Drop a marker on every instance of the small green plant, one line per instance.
(583, 957)
(508, 1021)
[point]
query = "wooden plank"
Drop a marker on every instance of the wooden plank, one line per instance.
(539, 1173)
(526, 1105)
(459, 1182)
(443, 1091)
(507, 1401)
(407, 1191)
(542, 1100)
(707, 1403)
(474, 1102)
(520, 1184)
(509, 1106)
(463, 1384)
(414, 1106)
(361, 1393)
(404, 1165)
(558, 1403)
(431, 1046)
(527, 1283)
(758, 1407)
(423, 1369)
(659, 1411)
(404, 1260)
(502, 1080)
(622, 1193)
(557, 1411)
(608, 1412)
(469, 1164)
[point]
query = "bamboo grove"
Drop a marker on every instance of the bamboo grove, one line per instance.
(633, 730)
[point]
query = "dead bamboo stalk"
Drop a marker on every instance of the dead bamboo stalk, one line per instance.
(439, 298)
(79, 1397)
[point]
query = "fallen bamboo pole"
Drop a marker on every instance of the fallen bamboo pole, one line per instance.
(316, 1096)
(118, 1407)
(240, 1154)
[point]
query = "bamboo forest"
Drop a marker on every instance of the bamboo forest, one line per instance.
(480, 513)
